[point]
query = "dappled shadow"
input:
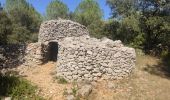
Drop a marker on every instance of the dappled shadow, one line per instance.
(161, 69)
(12, 55)
(7, 83)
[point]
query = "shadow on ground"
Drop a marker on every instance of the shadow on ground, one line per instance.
(161, 69)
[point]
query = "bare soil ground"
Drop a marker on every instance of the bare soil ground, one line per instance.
(148, 82)
(42, 76)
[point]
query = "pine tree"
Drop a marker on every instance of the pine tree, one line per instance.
(26, 20)
(57, 9)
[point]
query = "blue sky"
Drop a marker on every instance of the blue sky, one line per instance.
(40, 5)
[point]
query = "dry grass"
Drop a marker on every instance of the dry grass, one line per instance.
(42, 76)
(148, 82)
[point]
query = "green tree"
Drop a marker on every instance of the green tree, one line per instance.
(26, 20)
(1, 8)
(123, 8)
(5, 27)
(57, 9)
(89, 14)
(143, 23)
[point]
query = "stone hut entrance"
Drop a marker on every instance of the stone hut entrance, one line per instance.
(52, 51)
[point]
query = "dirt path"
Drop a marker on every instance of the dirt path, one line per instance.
(42, 76)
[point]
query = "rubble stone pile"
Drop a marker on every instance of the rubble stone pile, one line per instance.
(11, 55)
(59, 29)
(84, 58)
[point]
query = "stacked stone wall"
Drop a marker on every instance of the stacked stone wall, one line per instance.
(80, 57)
(85, 58)
(35, 54)
(56, 30)
(14, 55)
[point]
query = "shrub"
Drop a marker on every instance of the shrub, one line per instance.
(17, 88)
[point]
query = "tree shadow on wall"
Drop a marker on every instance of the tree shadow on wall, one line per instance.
(12, 55)
(162, 69)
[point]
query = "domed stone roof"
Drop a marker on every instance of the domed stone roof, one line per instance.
(56, 30)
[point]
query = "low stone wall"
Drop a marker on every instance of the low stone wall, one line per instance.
(85, 58)
(56, 30)
(35, 54)
(14, 55)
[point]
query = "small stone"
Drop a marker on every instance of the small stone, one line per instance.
(75, 77)
(111, 85)
(118, 54)
(87, 75)
(70, 97)
(89, 68)
(85, 91)
(69, 92)
(89, 52)
(8, 98)
(95, 78)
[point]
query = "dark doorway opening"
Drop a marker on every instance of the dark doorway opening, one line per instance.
(53, 51)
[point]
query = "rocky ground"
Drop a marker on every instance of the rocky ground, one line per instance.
(148, 82)
(43, 77)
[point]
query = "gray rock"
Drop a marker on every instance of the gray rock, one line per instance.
(89, 52)
(8, 98)
(70, 97)
(111, 85)
(85, 91)
(69, 92)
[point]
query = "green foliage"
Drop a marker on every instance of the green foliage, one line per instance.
(61, 80)
(157, 35)
(17, 88)
(57, 9)
(5, 27)
(127, 30)
(89, 14)
(26, 20)
(122, 7)
(21, 34)
(141, 24)
(74, 90)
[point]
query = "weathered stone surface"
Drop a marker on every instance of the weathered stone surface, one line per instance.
(14, 55)
(111, 85)
(92, 58)
(59, 29)
(85, 91)
(70, 97)
(80, 57)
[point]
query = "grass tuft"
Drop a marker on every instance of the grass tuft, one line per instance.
(17, 88)
(61, 80)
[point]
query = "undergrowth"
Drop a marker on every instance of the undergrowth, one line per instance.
(17, 88)
(61, 80)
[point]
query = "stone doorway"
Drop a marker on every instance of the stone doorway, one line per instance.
(52, 51)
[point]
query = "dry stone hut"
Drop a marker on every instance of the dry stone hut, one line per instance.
(78, 56)
(81, 57)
